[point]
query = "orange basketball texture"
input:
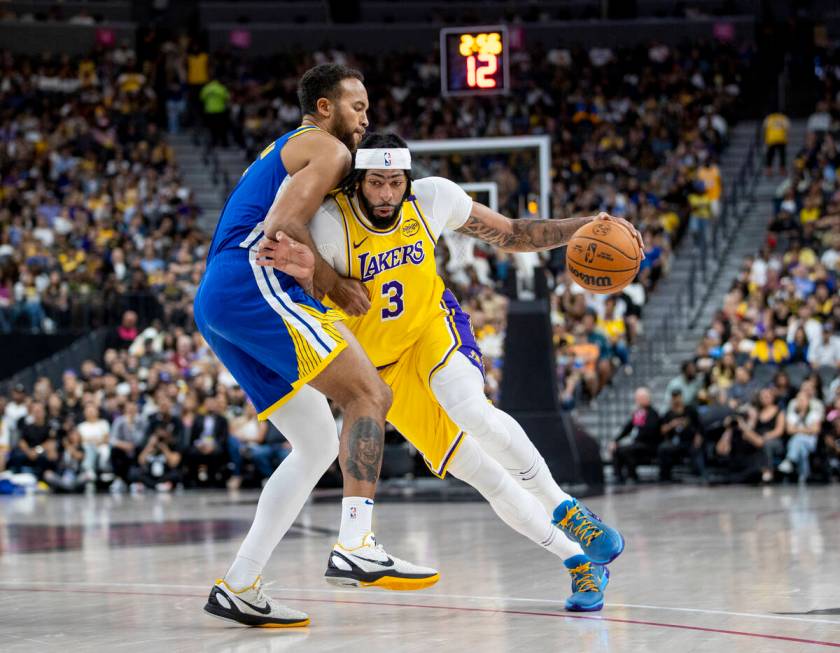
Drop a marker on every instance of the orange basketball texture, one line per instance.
(603, 257)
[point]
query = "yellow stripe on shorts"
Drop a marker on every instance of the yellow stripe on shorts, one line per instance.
(307, 358)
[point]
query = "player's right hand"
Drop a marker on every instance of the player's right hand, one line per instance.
(351, 296)
(627, 225)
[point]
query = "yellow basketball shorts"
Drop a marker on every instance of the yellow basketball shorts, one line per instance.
(415, 411)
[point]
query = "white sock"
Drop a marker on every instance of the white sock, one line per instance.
(356, 518)
(516, 507)
(243, 572)
(459, 388)
(308, 424)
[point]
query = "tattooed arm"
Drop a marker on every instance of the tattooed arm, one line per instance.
(527, 235)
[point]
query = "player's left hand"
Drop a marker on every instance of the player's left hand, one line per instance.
(289, 256)
(351, 296)
(627, 225)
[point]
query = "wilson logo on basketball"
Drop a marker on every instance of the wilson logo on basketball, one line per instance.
(601, 229)
(410, 228)
(591, 279)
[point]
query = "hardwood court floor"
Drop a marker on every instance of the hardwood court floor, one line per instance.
(723, 569)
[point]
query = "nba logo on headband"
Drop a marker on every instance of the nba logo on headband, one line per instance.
(398, 158)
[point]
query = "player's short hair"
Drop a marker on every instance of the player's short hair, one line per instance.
(371, 141)
(322, 81)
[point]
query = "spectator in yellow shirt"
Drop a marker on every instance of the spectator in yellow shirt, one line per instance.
(610, 324)
(198, 74)
(776, 129)
(811, 211)
(615, 328)
(709, 174)
(700, 214)
(770, 349)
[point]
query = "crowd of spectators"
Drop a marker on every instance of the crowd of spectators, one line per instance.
(636, 132)
(761, 399)
(157, 411)
(94, 219)
(94, 216)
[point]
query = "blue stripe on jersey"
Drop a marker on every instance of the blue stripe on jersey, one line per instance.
(252, 197)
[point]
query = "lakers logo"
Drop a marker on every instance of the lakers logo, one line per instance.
(590, 253)
(372, 264)
(601, 229)
(410, 227)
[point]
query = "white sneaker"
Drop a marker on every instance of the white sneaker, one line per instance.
(786, 467)
(369, 566)
(251, 607)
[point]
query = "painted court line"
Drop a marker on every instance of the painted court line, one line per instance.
(432, 595)
(450, 608)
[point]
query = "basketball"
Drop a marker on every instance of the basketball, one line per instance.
(603, 257)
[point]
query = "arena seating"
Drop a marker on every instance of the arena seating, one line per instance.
(97, 228)
(779, 330)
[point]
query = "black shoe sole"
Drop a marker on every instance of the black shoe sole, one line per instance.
(252, 620)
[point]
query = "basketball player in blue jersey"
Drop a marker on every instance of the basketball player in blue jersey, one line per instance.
(289, 352)
(381, 228)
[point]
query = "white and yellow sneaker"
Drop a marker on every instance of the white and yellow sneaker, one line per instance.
(251, 607)
(368, 565)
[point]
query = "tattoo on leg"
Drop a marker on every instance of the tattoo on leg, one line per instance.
(364, 450)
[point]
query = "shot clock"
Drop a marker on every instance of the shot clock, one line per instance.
(474, 60)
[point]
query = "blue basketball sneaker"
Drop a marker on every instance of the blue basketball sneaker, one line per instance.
(599, 542)
(589, 580)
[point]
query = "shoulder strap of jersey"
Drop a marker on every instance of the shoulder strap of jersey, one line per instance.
(303, 129)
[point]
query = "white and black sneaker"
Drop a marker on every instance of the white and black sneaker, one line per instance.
(251, 607)
(369, 566)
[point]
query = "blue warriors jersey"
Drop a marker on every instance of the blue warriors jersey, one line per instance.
(250, 200)
(264, 328)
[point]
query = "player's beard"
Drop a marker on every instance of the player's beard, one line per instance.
(346, 134)
(378, 221)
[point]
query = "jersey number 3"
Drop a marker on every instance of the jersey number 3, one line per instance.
(393, 292)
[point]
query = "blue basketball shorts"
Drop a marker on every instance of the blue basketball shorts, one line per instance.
(270, 334)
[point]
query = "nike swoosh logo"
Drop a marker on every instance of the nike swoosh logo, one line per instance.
(368, 502)
(386, 563)
(264, 610)
(359, 244)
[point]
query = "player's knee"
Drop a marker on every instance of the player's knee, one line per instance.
(378, 397)
(384, 397)
(321, 450)
(324, 445)
(329, 450)
(369, 395)
(480, 419)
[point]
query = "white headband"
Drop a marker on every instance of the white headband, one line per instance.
(398, 158)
